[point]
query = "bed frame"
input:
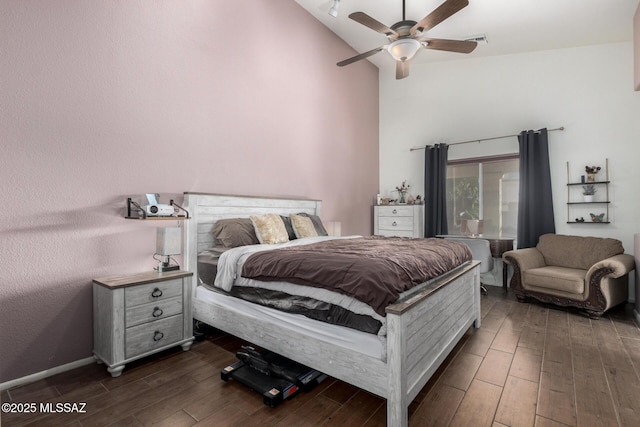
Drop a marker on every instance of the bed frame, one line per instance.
(421, 331)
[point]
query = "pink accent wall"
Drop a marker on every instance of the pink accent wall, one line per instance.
(104, 100)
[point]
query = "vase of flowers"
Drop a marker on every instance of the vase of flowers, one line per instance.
(591, 172)
(402, 191)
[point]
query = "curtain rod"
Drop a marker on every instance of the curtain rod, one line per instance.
(482, 139)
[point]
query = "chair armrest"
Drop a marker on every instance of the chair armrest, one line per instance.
(524, 259)
(618, 264)
(521, 260)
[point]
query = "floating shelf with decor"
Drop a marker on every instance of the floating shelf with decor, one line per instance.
(590, 185)
(135, 211)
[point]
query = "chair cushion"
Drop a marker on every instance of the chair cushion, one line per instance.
(480, 251)
(577, 251)
(559, 278)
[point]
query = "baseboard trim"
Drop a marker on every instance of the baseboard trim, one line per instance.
(636, 313)
(46, 373)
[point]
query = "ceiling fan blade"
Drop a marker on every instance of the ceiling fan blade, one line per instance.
(460, 46)
(402, 69)
(359, 57)
(439, 14)
(367, 21)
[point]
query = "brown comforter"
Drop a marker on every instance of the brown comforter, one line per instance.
(375, 270)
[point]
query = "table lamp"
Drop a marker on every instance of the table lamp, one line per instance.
(168, 243)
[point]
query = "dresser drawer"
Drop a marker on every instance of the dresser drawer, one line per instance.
(396, 233)
(394, 211)
(158, 291)
(149, 336)
(153, 311)
(398, 223)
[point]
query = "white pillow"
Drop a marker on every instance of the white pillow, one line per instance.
(269, 228)
(303, 226)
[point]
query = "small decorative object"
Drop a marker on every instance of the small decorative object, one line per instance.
(410, 200)
(418, 200)
(582, 179)
(588, 191)
(402, 190)
(597, 218)
(384, 201)
(591, 172)
(581, 219)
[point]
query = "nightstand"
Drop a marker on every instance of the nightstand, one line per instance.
(138, 315)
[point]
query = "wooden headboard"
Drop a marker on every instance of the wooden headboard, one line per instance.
(205, 209)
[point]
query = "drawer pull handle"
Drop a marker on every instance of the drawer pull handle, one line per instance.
(157, 336)
(157, 293)
(394, 223)
(395, 211)
(157, 312)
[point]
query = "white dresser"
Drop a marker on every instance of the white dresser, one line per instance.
(399, 220)
(138, 315)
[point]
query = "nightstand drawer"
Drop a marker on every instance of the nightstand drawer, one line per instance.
(149, 336)
(399, 223)
(152, 292)
(153, 311)
(395, 211)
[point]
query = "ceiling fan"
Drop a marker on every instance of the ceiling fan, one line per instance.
(406, 36)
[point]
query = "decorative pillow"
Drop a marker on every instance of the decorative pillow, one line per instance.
(317, 224)
(303, 226)
(233, 232)
(269, 228)
(289, 227)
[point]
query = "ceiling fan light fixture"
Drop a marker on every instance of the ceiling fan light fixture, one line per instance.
(404, 49)
(334, 9)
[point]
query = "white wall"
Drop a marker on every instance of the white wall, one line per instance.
(636, 47)
(588, 90)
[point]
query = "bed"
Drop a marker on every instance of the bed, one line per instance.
(421, 329)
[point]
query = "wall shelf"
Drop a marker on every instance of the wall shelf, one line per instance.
(588, 203)
(158, 218)
(585, 183)
(135, 211)
(573, 192)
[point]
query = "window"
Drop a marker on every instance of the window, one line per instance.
(486, 189)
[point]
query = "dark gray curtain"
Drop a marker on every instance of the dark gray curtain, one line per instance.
(535, 207)
(435, 190)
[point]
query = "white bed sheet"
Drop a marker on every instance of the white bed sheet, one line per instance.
(354, 340)
(231, 262)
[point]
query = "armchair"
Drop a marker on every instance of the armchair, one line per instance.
(589, 273)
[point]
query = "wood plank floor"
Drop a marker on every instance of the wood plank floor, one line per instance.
(529, 365)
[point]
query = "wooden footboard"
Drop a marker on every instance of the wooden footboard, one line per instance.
(421, 331)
